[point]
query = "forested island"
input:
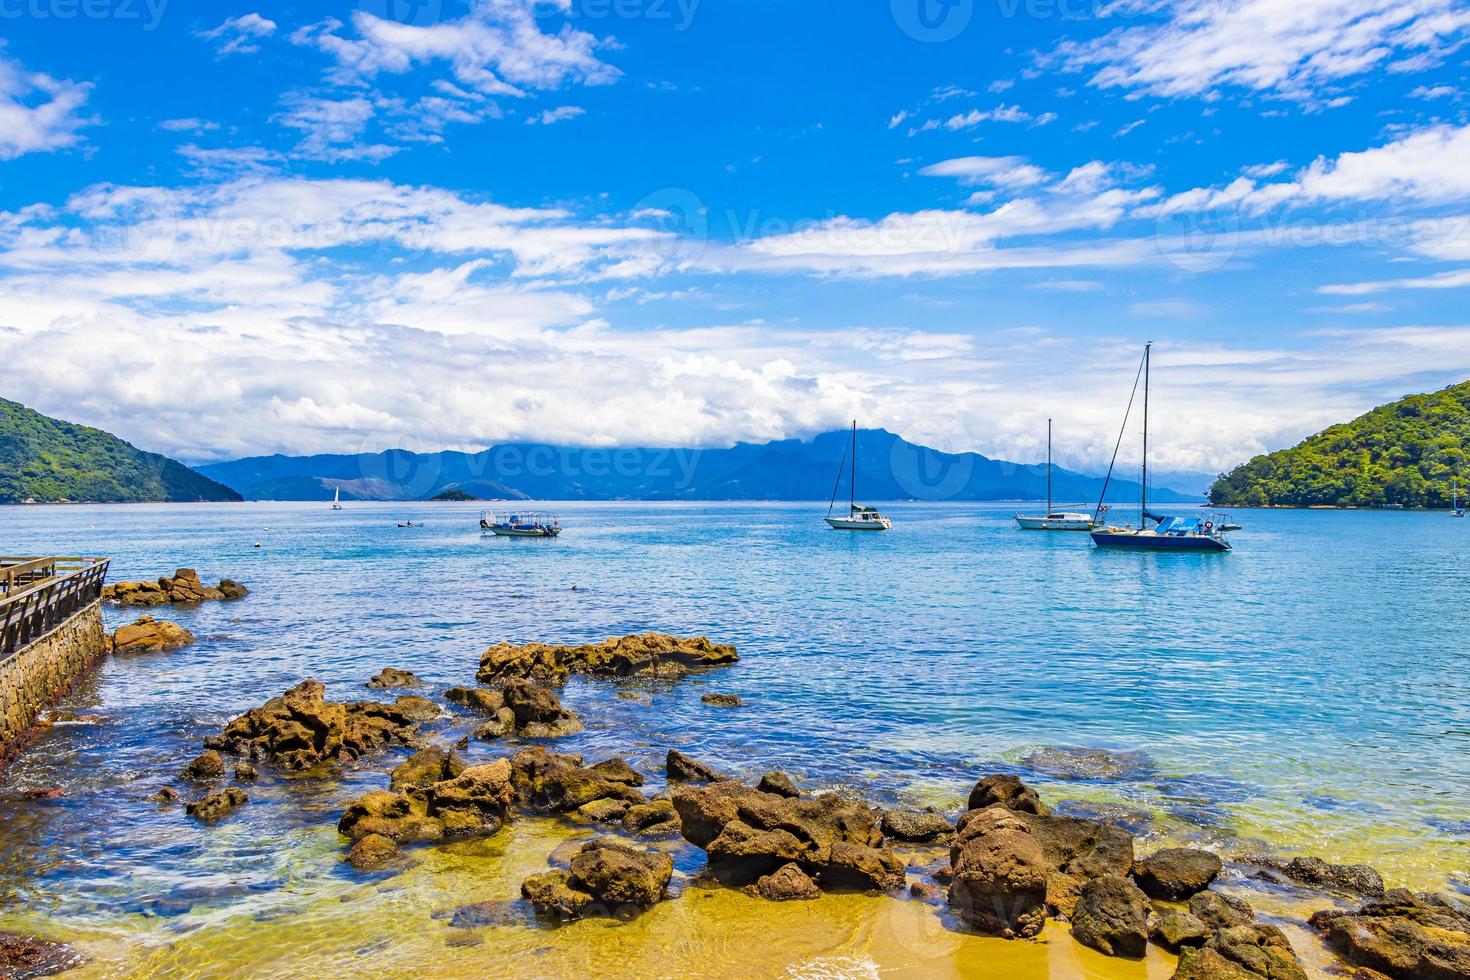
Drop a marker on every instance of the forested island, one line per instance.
(45, 460)
(1410, 453)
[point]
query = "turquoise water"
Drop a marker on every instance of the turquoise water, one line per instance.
(1307, 692)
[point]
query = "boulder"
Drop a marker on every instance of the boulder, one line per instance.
(1111, 916)
(149, 635)
(31, 956)
(207, 767)
(301, 730)
(656, 818)
(246, 773)
(652, 653)
(1220, 911)
(476, 699)
(474, 801)
(372, 852)
(605, 872)
(538, 711)
(619, 771)
(165, 795)
(426, 767)
(919, 826)
(999, 883)
(1345, 879)
(1081, 762)
(1403, 935)
(417, 708)
(748, 833)
(603, 811)
(391, 677)
(217, 806)
(1175, 930)
(928, 891)
(1176, 873)
(682, 769)
(779, 784)
(1250, 952)
(560, 783)
(500, 725)
(1008, 792)
(787, 884)
(722, 700)
(182, 587)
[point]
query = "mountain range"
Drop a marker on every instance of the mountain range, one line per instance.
(888, 468)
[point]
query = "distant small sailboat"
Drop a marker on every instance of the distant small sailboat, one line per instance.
(1455, 509)
(410, 524)
(337, 499)
(1054, 520)
(1169, 533)
(859, 517)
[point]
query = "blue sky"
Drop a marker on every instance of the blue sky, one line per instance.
(272, 227)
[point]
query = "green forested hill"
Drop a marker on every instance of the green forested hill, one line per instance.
(1407, 453)
(48, 460)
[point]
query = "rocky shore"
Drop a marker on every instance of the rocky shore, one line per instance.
(184, 587)
(1004, 866)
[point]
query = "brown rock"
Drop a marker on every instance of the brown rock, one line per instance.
(603, 811)
(1175, 930)
(31, 956)
(1008, 792)
(372, 852)
(1111, 917)
(787, 884)
(1176, 873)
(165, 795)
(538, 712)
(425, 768)
(391, 677)
(722, 700)
(919, 826)
(619, 771)
(1000, 882)
(1253, 952)
(656, 818)
(779, 784)
(246, 773)
(149, 635)
(616, 873)
(301, 730)
(552, 895)
(208, 766)
(653, 653)
(682, 769)
(416, 708)
(1219, 911)
(1404, 935)
(476, 698)
(217, 806)
(502, 724)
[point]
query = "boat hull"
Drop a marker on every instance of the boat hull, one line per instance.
(1051, 524)
(1134, 541)
(842, 524)
(525, 532)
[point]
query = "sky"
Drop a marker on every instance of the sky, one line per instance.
(246, 227)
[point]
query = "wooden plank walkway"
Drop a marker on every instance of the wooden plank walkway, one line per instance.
(39, 594)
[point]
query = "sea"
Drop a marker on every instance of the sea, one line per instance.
(1306, 693)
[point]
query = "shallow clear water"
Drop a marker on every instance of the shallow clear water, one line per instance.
(1307, 692)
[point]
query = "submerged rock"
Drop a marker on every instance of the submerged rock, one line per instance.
(391, 677)
(787, 884)
(1250, 952)
(747, 833)
(651, 653)
(31, 956)
(149, 635)
(165, 795)
(1111, 916)
(372, 852)
(184, 586)
(300, 730)
(1074, 762)
(722, 700)
(538, 711)
(1176, 873)
(683, 769)
(1347, 879)
(608, 872)
(417, 708)
(1404, 935)
(246, 773)
(217, 806)
(917, 826)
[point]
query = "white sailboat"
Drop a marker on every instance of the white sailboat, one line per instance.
(337, 499)
(1456, 510)
(1054, 520)
(859, 517)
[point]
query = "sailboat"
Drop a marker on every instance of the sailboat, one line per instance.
(859, 517)
(337, 499)
(1455, 509)
(1054, 520)
(1169, 533)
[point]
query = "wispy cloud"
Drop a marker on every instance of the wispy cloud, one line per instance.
(238, 35)
(38, 113)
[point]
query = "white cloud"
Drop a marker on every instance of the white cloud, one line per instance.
(333, 128)
(1009, 171)
(38, 113)
(973, 118)
(238, 35)
(550, 117)
(1290, 48)
(189, 125)
(1434, 92)
(1453, 279)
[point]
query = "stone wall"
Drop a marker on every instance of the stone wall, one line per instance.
(43, 672)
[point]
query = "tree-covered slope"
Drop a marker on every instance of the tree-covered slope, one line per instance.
(1408, 453)
(47, 460)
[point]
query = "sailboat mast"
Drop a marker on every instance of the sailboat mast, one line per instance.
(1143, 491)
(1048, 467)
(852, 481)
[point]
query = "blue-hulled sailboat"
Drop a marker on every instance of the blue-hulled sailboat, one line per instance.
(1168, 533)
